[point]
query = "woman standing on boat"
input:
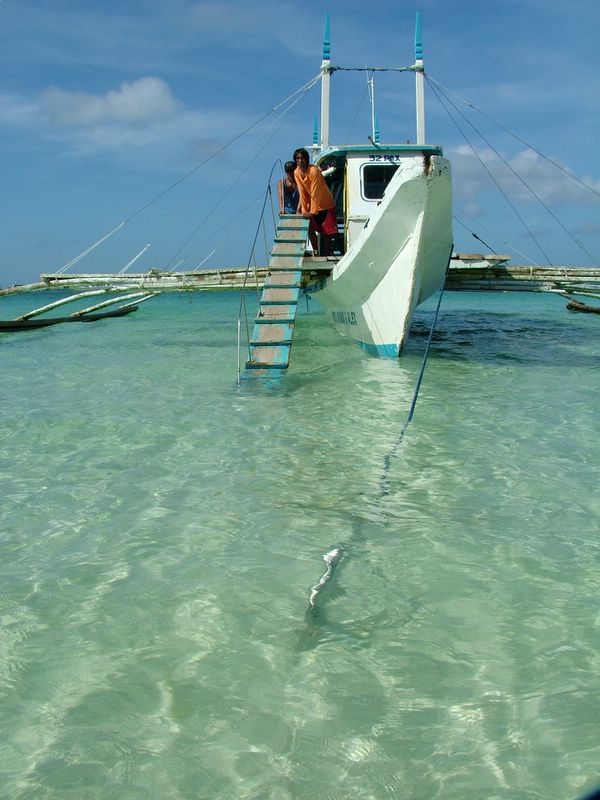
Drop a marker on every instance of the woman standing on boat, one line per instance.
(287, 191)
(316, 201)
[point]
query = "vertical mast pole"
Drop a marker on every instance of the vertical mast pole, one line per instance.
(325, 79)
(371, 85)
(419, 82)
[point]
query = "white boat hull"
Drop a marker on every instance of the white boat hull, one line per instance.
(399, 259)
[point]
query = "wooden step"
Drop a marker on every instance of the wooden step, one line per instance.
(279, 296)
(271, 342)
(290, 221)
(256, 372)
(269, 356)
(276, 333)
(281, 280)
(287, 249)
(285, 263)
(295, 235)
(276, 313)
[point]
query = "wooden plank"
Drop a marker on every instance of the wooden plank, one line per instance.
(276, 313)
(263, 375)
(291, 235)
(285, 296)
(276, 333)
(267, 356)
(271, 341)
(289, 221)
(281, 279)
(285, 263)
(286, 249)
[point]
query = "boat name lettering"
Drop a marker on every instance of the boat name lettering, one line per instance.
(394, 157)
(344, 317)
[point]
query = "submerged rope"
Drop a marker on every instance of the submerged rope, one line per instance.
(333, 557)
(392, 453)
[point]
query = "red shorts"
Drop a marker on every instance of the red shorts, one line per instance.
(324, 222)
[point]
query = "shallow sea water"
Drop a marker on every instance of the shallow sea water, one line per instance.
(161, 528)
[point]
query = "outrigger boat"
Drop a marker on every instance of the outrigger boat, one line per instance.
(567, 291)
(575, 305)
(394, 243)
(30, 320)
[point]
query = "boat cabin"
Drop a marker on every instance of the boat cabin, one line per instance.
(357, 176)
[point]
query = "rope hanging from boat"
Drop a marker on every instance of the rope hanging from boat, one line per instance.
(439, 91)
(388, 458)
(243, 312)
(335, 555)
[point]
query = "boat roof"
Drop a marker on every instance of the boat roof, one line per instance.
(432, 149)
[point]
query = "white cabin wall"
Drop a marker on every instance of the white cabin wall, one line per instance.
(359, 209)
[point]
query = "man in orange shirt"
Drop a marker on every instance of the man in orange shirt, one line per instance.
(316, 201)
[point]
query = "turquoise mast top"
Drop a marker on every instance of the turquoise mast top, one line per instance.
(418, 39)
(326, 40)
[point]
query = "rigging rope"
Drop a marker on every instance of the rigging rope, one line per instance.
(514, 172)
(217, 152)
(89, 249)
(508, 244)
(300, 91)
(473, 234)
(515, 136)
(481, 161)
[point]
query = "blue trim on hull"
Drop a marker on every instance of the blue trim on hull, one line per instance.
(380, 350)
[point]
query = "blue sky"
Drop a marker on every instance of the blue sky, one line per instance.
(105, 105)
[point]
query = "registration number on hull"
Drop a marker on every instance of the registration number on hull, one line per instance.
(344, 317)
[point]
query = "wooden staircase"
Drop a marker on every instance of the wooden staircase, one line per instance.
(271, 341)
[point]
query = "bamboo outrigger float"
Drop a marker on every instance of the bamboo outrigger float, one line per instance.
(29, 321)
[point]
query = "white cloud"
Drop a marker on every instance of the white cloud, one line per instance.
(133, 103)
(140, 121)
(553, 185)
(16, 111)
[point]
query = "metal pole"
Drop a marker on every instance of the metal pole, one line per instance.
(419, 82)
(325, 85)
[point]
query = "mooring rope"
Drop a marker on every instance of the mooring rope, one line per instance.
(333, 557)
(388, 457)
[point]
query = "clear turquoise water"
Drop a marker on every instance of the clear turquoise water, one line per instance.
(160, 530)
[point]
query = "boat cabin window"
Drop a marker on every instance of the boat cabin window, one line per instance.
(375, 177)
